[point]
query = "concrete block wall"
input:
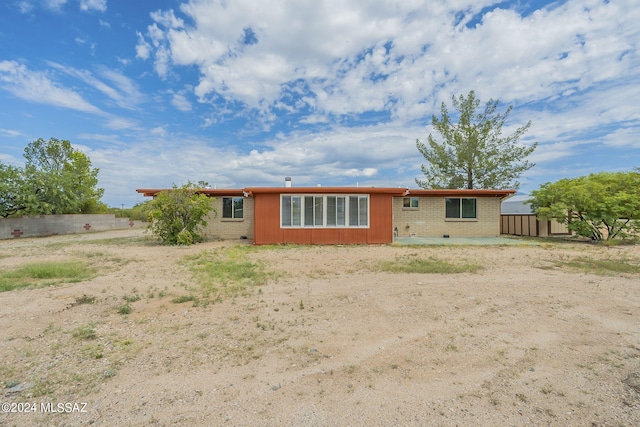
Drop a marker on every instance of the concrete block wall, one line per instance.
(227, 229)
(48, 225)
(428, 219)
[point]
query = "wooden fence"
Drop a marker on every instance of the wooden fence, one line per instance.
(529, 225)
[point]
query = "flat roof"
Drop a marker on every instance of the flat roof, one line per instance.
(251, 191)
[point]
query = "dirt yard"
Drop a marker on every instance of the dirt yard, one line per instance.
(540, 335)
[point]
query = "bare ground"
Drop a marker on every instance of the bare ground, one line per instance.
(329, 340)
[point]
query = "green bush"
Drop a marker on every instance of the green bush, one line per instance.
(177, 215)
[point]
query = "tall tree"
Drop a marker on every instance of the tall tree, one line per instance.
(56, 179)
(473, 153)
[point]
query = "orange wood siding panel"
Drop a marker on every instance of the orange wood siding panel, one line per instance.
(268, 231)
(267, 219)
(381, 217)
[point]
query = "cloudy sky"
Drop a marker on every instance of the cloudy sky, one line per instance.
(244, 92)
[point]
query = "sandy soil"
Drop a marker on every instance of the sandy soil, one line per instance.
(328, 340)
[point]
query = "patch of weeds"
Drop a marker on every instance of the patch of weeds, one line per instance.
(227, 271)
(85, 332)
(41, 388)
(84, 299)
(301, 305)
(602, 267)
(131, 298)
(40, 274)
(125, 309)
(451, 347)
(110, 373)
(185, 298)
(425, 266)
(94, 351)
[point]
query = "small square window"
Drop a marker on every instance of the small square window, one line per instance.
(410, 202)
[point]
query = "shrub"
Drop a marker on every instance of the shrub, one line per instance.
(177, 215)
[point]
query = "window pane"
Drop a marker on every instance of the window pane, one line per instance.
(331, 211)
(406, 202)
(340, 210)
(452, 208)
(318, 210)
(227, 211)
(238, 203)
(286, 211)
(468, 208)
(353, 211)
(308, 211)
(414, 202)
(364, 214)
(296, 211)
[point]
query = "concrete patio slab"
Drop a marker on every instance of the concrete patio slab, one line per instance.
(461, 241)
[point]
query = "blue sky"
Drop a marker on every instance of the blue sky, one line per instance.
(243, 93)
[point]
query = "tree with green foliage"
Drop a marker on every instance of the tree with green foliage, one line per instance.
(56, 179)
(600, 206)
(473, 153)
(177, 214)
(12, 190)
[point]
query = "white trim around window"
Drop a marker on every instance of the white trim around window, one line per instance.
(324, 211)
(232, 208)
(461, 209)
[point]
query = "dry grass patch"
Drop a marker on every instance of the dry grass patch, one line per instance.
(431, 265)
(602, 267)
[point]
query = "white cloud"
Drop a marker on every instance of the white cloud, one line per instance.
(98, 5)
(25, 6)
(625, 137)
(403, 57)
(120, 123)
(181, 102)
(143, 49)
(55, 4)
(122, 90)
(9, 132)
(37, 87)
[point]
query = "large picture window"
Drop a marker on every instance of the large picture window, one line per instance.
(324, 211)
(232, 208)
(460, 208)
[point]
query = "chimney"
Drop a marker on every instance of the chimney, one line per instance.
(287, 181)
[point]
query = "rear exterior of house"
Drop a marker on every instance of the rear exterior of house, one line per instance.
(349, 215)
(316, 215)
(232, 217)
(433, 213)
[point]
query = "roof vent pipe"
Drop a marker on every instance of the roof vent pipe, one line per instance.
(287, 181)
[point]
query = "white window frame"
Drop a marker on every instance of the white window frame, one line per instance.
(411, 204)
(348, 211)
(460, 217)
(233, 210)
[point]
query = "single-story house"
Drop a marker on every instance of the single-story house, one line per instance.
(349, 215)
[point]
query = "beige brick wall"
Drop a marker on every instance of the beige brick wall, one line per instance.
(219, 228)
(429, 218)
